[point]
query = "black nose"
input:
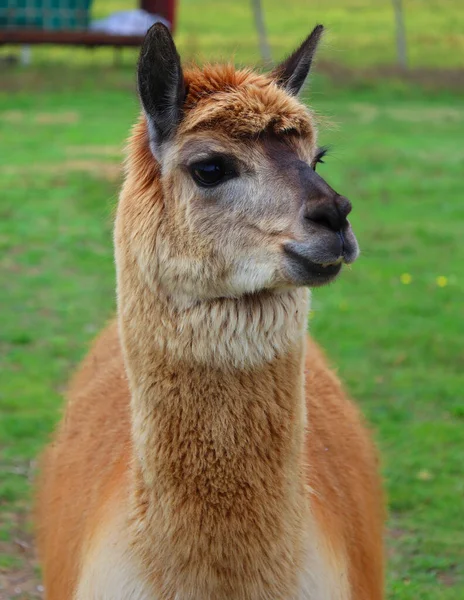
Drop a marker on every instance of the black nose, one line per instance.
(330, 212)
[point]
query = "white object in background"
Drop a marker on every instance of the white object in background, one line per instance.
(128, 22)
(25, 56)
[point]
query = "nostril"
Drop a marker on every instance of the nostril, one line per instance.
(329, 213)
(320, 220)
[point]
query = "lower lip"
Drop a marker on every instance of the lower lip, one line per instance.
(315, 270)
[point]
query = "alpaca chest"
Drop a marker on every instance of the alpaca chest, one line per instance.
(111, 572)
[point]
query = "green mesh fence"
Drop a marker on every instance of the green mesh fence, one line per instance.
(44, 14)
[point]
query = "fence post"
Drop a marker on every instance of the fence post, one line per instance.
(261, 29)
(400, 34)
(25, 56)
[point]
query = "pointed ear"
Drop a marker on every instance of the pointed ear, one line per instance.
(291, 74)
(160, 84)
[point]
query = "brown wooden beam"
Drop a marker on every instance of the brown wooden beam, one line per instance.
(72, 38)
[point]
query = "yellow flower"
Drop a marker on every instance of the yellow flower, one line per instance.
(442, 281)
(424, 475)
(406, 278)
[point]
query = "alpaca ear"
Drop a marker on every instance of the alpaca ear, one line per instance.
(291, 74)
(160, 84)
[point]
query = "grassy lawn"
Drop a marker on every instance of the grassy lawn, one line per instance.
(393, 324)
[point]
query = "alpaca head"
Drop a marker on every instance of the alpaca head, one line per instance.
(232, 202)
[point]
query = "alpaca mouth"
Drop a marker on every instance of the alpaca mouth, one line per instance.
(304, 271)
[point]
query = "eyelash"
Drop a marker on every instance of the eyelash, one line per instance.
(321, 152)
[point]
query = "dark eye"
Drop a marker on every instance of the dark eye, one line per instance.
(209, 173)
(321, 152)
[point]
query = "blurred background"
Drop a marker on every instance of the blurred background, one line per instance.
(388, 89)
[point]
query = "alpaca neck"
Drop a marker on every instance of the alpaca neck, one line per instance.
(218, 429)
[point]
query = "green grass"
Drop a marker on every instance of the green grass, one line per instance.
(394, 333)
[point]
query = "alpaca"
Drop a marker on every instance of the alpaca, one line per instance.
(207, 452)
